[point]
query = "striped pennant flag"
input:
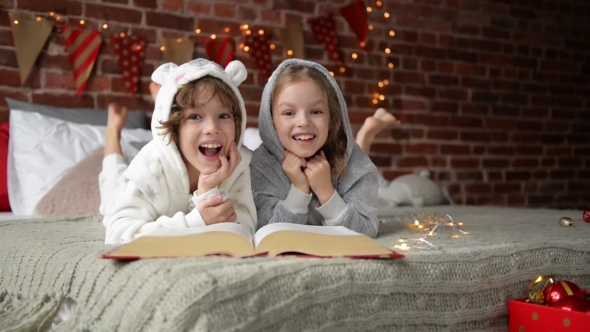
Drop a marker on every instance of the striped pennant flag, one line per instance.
(83, 46)
(356, 16)
(220, 50)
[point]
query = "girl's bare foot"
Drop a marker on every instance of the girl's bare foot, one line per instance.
(387, 117)
(372, 126)
(115, 123)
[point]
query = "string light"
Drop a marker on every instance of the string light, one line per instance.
(51, 14)
(273, 46)
(375, 95)
(331, 73)
(82, 22)
(38, 18)
(363, 44)
(198, 31)
(390, 65)
(381, 97)
(342, 70)
(122, 35)
(391, 33)
(371, 27)
(369, 9)
(213, 36)
(162, 48)
(290, 52)
(380, 84)
(15, 22)
(246, 48)
(179, 40)
(248, 32)
(261, 32)
(226, 29)
(137, 47)
(105, 26)
(58, 18)
(354, 56)
(245, 27)
(375, 101)
(386, 82)
(387, 50)
(386, 15)
(241, 45)
(379, 3)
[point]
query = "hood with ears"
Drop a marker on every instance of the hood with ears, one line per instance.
(171, 77)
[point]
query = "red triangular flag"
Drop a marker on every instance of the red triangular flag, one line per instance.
(356, 16)
(323, 28)
(260, 51)
(130, 51)
(83, 46)
(220, 50)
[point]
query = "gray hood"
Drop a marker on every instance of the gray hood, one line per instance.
(268, 134)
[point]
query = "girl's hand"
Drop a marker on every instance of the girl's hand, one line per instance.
(214, 210)
(292, 166)
(320, 180)
(210, 181)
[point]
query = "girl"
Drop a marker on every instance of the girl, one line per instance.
(308, 168)
(183, 176)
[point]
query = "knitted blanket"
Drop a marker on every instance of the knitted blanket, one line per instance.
(48, 265)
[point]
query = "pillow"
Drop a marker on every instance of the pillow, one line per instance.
(424, 191)
(4, 202)
(77, 192)
(135, 119)
(42, 149)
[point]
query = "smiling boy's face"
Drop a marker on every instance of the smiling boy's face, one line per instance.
(206, 131)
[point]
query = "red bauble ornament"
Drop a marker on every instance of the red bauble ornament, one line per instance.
(573, 303)
(586, 216)
(559, 290)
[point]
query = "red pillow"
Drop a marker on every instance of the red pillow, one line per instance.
(4, 203)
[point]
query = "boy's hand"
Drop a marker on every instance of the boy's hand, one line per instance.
(320, 180)
(292, 166)
(214, 210)
(210, 181)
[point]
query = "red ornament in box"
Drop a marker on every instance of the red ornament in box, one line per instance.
(559, 290)
(573, 303)
(586, 216)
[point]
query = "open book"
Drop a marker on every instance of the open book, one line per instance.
(233, 239)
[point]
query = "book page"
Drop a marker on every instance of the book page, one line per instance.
(220, 239)
(319, 241)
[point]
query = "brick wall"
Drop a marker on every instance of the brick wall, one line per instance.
(493, 94)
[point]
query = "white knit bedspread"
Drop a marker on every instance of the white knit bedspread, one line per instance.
(464, 286)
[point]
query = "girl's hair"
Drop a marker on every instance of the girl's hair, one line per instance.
(335, 146)
(184, 99)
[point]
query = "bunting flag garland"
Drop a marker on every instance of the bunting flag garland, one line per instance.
(259, 49)
(29, 35)
(292, 40)
(220, 50)
(178, 51)
(130, 51)
(83, 46)
(323, 28)
(356, 16)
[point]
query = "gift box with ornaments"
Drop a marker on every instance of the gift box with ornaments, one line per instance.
(551, 305)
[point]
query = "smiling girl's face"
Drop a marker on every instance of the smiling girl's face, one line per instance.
(206, 131)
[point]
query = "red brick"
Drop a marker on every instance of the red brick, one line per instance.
(500, 123)
(446, 149)
(420, 91)
(169, 21)
(501, 150)
(421, 148)
(388, 148)
(445, 107)
(525, 163)
(222, 10)
(65, 7)
(8, 58)
(6, 38)
(117, 1)
(306, 6)
(409, 104)
(467, 30)
(409, 77)
(479, 188)
(63, 100)
(442, 134)
(273, 17)
(516, 200)
(412, 162)
(200, 8)
(438, 26)
(467, 122)
(445, 67)
(173, 5)
(507, 188)
(152, 4)
(409, 22)
(53, 80)
(10, 77)
(381, 161)
(475, 109)
(110, 13)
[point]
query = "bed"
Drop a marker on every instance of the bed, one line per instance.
(53, 264)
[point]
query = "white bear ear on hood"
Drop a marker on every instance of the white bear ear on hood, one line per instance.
(236, 71)
(159, 76)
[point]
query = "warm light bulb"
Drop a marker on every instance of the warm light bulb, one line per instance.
(391, 33)
(15, 22)
(375, 101)
(369, 9)
(363, 44)
(198, 31)
(388, 50)
(241, 45)
(179, 40)
(386, 15)
(82, 22)
(38, 18)
(162, 48)
(273, 46)
(385, 82)
(379, 3)
(290, 52)
(354, 56)
(248, 32)
(58, 18)
(51, 14)
(342, 70)
(375, 95)
(370, 27)
(332, 73)
(213, 36)
(105, 26)
(380, 84)
(245, 26)
(226, 29)
(246, 48)
(382, 97)
(261, 32)
(390, 65)
(122, 35)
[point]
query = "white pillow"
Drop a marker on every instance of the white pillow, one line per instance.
(42, 149)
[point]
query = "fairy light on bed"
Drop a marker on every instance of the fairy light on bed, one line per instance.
(431, 227)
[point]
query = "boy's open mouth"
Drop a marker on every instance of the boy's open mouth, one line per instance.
(210, 149)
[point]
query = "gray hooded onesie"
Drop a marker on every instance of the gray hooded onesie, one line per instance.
(355, 201)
